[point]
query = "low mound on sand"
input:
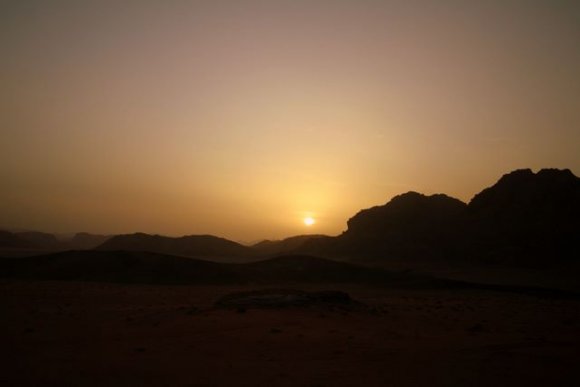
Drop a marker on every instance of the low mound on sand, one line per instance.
(284, 298)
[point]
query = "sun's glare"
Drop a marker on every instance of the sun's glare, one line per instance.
(309, 221)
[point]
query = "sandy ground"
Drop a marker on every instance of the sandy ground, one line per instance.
(64, 333)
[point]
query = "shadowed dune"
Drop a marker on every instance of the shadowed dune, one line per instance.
(117, 266)
(151, 268)
(146, 267)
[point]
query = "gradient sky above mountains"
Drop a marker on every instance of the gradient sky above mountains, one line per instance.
(239, 118)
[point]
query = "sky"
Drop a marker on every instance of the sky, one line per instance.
(240, 118)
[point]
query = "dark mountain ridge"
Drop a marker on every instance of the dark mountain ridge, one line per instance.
(409, 225)
(527, 217)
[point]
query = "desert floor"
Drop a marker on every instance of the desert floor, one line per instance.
(71, 333)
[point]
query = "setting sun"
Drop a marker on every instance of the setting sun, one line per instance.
(309, 221)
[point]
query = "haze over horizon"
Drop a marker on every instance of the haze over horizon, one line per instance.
(243, 118)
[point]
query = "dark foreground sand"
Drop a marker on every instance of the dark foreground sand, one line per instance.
(78, 334)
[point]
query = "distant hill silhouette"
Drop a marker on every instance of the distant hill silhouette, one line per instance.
(285, 246)
(30, 240)
(35, 242)
(40, 240)
(86, 241)
(192, 245)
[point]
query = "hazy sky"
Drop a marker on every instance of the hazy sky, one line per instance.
(239, 118)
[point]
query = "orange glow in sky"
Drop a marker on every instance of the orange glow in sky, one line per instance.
(192, 117)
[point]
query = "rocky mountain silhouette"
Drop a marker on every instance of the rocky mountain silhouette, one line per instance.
(192, 245)
(527, 217)
(410, 225)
